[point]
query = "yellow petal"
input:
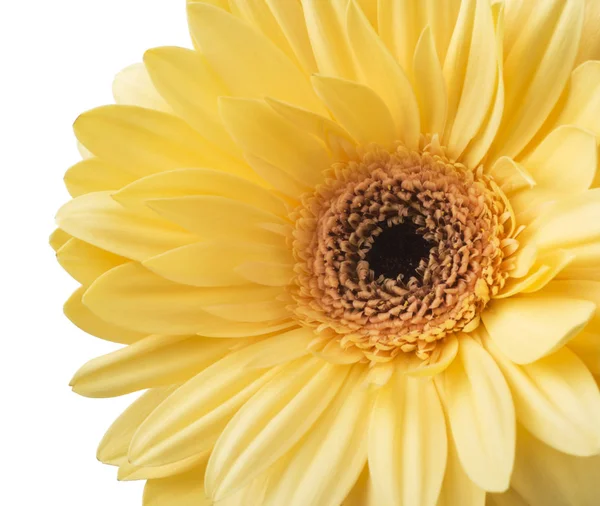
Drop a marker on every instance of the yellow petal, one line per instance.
(129, 472)
(192, 418)
(113, 447)
(262, 132)
(133, 86)
(408, 443)
(133, 297)
(282, 348)
(470, 71)
(571, 221)
(537, 68)
(439, 360)
(85, 262)
(150, 362)
(247, 62)
(213, 263)
(212, 326)
(430, 87)
(220, 218)
(191, 88)
(529, 327)
(249, 311)
(379, 70)
(191, 182)
(290, 17)
(182, 490)
(566, 479)
(328, 37)
(587, 347)
(358, 109)
(589, 47)
(510, 175)
(457, 488)
(566, 160)
(556, 399)
(267, 273)
(82, 317)
(98, 220)
(324, 467)
(271, 423)
(94, 175)
(58, 239)
(144, 141)
(585, 264)
(482, 416)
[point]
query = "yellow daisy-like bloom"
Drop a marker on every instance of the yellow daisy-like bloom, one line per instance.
(353, 248)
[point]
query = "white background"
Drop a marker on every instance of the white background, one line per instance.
(57, 59)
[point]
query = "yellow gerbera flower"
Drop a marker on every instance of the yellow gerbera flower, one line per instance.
(353, 249)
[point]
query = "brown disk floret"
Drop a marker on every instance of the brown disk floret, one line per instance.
(397, 249)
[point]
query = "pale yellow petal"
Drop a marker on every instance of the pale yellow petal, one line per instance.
(566, 160)
(129, 472)
(470, 71)
(546, 477)
(191, 88)
(182, 490)
(529, 327)
(192, 418)
(268, 273)
(85, 262)
(144, 141)
(408, 442)
(250, 311)
(280, 179)
(329, 38)
(457, 488)
(482, 416)
(133, 86)
(113, 447)
(134, 297)
(81, 316)
(247, 62)
(94, 175)
(262, 132)
(589, 47)
(290, 17)
(379, 70)
(270, 423)
(151, 362)
(537, 68)
(510, 175)
(220, 218)
(358, 109)
(99, 220)
(322, 470)
(586, 346)
(556, 399)
(58, 239)
(191, 182)
(430, 87)
(215, 263)
(581, 106)
(439, 360)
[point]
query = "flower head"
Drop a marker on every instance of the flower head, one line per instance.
(352, 249)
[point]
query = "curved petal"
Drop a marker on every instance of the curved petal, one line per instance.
(482, 416)
(262, 132)
(58, 239)
(326, 465)
(145, 141)
(190, 421)
(247, 62)
(182, 490)
(191, 88)
(408, 442)
(529, 327)
(95, 175)
(271, 273)
(133, 86)
(133, 297)
(102, 222)
(271, 422)
(358, 109)
(556, 399)
(149, 363)
(81, 316)
(379, 70)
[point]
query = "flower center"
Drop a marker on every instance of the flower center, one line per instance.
(398, 249)
(397, 252)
